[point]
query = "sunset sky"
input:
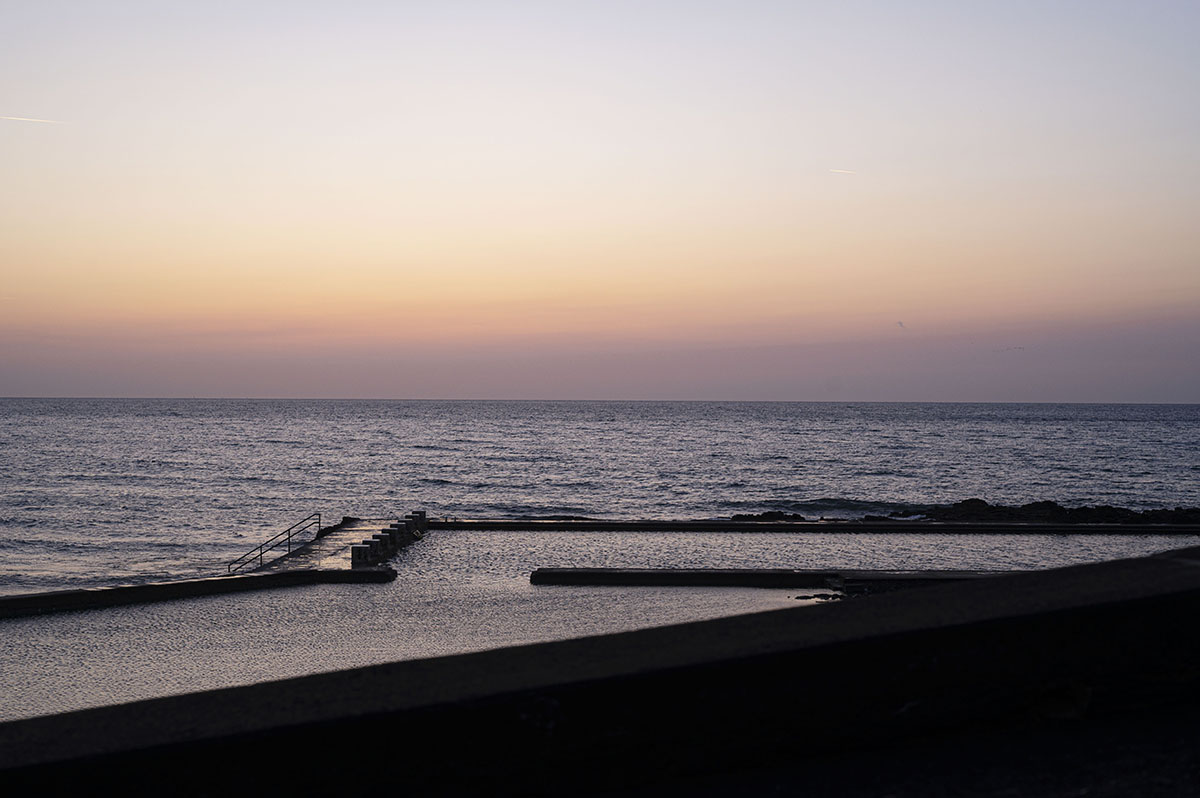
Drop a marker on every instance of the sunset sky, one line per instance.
(960, 201)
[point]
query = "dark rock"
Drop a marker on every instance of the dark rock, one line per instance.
(909, 512)
(1048, 512)
(770, 515)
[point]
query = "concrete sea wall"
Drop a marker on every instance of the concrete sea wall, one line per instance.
(97, 597)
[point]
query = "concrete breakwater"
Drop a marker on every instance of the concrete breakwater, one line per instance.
(96, 597)
(383, 544)
(353, 543)
(352, 551)
(840, 527)
(847, 581)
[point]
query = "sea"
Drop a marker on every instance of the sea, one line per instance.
(98, 492)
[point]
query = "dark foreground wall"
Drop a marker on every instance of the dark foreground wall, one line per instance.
(1092, 671)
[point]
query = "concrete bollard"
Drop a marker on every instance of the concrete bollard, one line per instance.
(421, 523)
(411, 528)
(360, 556)
(400, 534)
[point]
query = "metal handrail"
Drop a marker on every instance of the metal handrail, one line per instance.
(278, 540)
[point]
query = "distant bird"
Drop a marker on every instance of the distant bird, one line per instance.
(900, 324)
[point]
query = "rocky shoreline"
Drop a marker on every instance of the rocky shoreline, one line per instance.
(1043, 512)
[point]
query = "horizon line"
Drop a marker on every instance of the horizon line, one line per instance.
(582, 401)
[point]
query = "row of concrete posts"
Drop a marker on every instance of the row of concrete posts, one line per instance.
(394, 537)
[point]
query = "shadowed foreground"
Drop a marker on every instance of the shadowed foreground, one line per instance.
(1046, 683)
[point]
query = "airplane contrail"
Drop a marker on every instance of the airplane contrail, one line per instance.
(843, 171)
(27, 119)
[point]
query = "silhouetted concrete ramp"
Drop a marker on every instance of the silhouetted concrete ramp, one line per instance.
(331, 550)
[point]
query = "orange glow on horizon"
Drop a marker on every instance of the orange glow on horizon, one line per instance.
(459, 181)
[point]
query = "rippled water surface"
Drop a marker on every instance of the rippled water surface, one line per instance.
(457, 591)
(103, 491)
